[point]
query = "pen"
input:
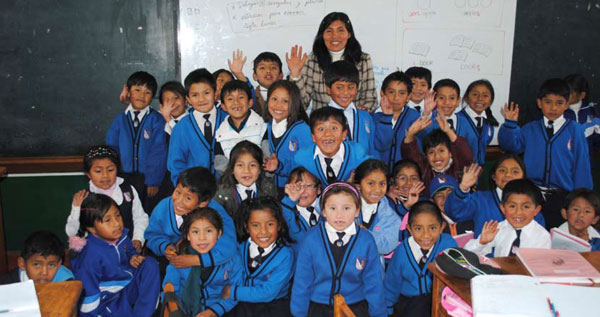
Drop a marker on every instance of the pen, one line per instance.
(552, 308)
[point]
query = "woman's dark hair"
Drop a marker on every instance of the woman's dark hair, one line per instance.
(93, 208)
(98, 152)
(425, 206)
(502, 159)
(366, 167)
(488, 111)
(435, 138)
(400, 165)
(269, 204)
(352, 51)
(295, 109)
(243, 147)
(205, 213)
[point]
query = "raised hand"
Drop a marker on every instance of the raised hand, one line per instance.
(470, 176)
(236, 64)
(295, 61)
(419, 125)
(510, 112)
(413, 194)
(294, 191)
(79, 197)
(124, 95)
(445, 127)
(429, 103)
(385, 105)
(489, 231)
(166, 109)
(270, 163)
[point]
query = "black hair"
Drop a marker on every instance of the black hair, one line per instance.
(323, 114)
(205, 213)
(235, 85)
(93, 208)
(522, 186)
(403, 163)
(268, 203)
(200, 181)
(419, 72)
(352, 51)
(218, 72)
(589, 195)
(297, 173)
(44, 243)
(243, 147)
(447, 82)
(577, 83)
(172, 86)
(340, 189)
(295, 110)
(425, 206)
(200, 75)
(98, 152)
(399, 77)
(367, 167)
(340, 71)
(268, 57)
(501, 160)
(435, 138)
(554, 86)
(488, 111)
(142, 78)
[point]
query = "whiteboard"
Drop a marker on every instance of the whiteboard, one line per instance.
(460, 39)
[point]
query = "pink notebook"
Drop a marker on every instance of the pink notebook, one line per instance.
(551, 263)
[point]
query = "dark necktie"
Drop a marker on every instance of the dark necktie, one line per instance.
(207, 128)
(479, 124)
(424, 258)
(450, 123)
(339, 242)
(175, 121)
(249, 193)
(313, 215)
(331, 178)
(349, 135)
(257, 260)
(516, 243)
(550, 129)
(136, 121)
(418, 108)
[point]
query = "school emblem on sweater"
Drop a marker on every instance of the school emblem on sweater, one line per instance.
(367, 127)
(293, 145)
(146, 134)
(442, 179)
(360, 263)
(127, 196)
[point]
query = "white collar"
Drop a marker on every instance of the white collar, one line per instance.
(592, 233)
(339, 155)
(142, 113)
(499, 193)
(113, 192)
(178, 220)
(332, 232)
(474, 114)
(263, 92)
(421, 104)
(185, 113)
(336, 56)
(454, 119)
(351, 107)
(443, 170)
(527, 228)
(241, 189)
(200, 115)
(253, 248)
(279, 128)
(556, 123)
(415, 248)
(576, 106)
(367, 209)
(23, 275)
(304, 213)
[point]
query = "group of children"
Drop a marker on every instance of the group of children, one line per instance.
(249, 207)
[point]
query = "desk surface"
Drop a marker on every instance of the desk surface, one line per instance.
(58, 298)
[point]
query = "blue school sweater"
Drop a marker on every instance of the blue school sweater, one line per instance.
(388, 138)
(144, 152)
(586, 116)
(560, 162)
(162, 230)
(403, 275)
(385, 227)
(297, 225)
(296, 137)
(478, 142)
(461, 126)
(270, 281)
(227, 273)
(479, 207)
(188, 146)
(318, 279)
(363, 130)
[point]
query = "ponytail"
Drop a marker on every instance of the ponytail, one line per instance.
(490, 117)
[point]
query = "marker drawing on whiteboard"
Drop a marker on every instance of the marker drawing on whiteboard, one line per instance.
(419, 48)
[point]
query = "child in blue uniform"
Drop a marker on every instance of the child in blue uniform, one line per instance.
(199, 288)
(266, 71)
(582, 110)
(446, 99)
(441, 187)
(420, 78)
(581, 211)
(338, 257)
(193, 138)
(407, 281)
(116, 279)
(406, 186)
(173, 105)
(266, 259)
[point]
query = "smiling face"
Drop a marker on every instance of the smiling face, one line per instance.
(246, 169)
(103, 173)
(178, 101)
(479, 98)
(221, 80)
(110, 227)
(419, 89)
(202, 97)
(262, 227)
(340, 210)
(508, 170)
(580, 216)
(279, 104)
(552, 106)
(236, 103)
(140, 96)
(446, 99)
(267, 72)
(519, 210)
(342, 92)
(203, 235)
(310, 190)
(406, 178)
(397, 95)
(184, 200)
(329, 135)
(336, 36)
(425, 229)
(373, 187)
(439, 198)
(438, 156)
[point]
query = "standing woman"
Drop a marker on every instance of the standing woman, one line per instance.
(335, 41)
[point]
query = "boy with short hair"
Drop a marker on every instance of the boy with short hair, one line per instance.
(555, 149)
(192, 140)
(40, 261)
(581, 214)
(341, 80)
(521, 201)
(267, 70)
(421, 84)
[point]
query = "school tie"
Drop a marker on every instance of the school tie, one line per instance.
(479, 124)
(550, 129)
(136, 121)
(257, 260)
(207, 128)
(349, 135)
(450, 123)
(339, 242)
(423, 259)
(313, 215)
(331, 178)
(418, 108)
(249, 193)
(516, 243)
(175, 121)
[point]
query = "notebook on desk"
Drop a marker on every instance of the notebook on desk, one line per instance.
(558, 266)
(19, 299)
(565, 241)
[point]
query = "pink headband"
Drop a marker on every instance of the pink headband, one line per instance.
(341, 184)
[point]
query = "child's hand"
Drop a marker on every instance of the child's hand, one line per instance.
(295, 61)
(170, 252)
(124, 95)
(136, 260)
(419, 125)
(236, 64)
(445, 127)
(489, 231)
(293, 191)
(270, 163)
(226, 293)
(183, 261)
(394, 193)
(137, 244)
(510, 112)
(152, 191)
(79, 197)
(386, 108)
(413, 194)
(167, 109)
(429, 103)
(207, 313)
(470, 176)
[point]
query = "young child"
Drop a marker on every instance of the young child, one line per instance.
(377, 212)
(463, 204)
(407, 280)
(406, 186)
(267, 261)
(391, 124)
(582, 110)
(441, 186)
(40, 261)
(479, 131)
(267, 70)
(221, 77)
(287, 124)
(198, 288)
(341, 80)
(193, 142)
(138, 136)
(101, 165)
(301, 204)
(116, 279)
(195, 188)
(338, 257)
(521, 201)
(581, 215)
(172, 104)
(243, 178)
(421, 84)
(555, 149)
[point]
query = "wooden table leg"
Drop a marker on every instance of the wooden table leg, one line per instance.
(436, 297)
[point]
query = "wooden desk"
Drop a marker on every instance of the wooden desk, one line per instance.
(59, 298)
(462, 287)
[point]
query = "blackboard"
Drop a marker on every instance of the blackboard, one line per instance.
(64, 63)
